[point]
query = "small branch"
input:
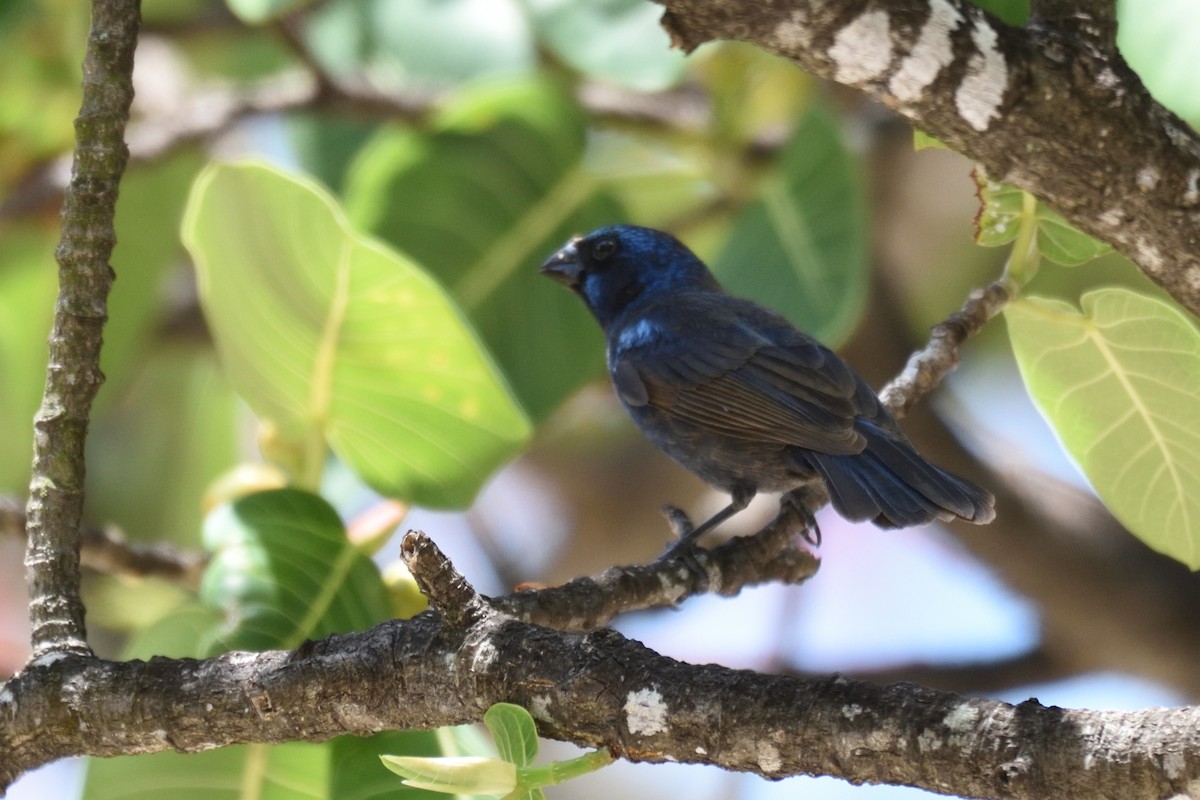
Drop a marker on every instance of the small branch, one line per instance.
(586, 604)
(928, 366)
(55, 506)
(447, 590)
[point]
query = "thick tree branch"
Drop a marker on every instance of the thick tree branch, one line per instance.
(597, 690)
(55, 506)
(1020, 101)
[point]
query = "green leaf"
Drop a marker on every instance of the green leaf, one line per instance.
(614, 40)
(1001, 208)
(1159, 41)
(283, 572)
(1012, 12)
(333, 338)
(28, 283)
(925, 141)
(1120, 385)
(354, 765)
(256, 12)
(514, 731)
(455, 775)
(148, 213)
(283, 772)
(174, 429)
(800, 247)
(500, 186)
(429, 42)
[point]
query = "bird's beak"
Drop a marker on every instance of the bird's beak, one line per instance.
(564, 265)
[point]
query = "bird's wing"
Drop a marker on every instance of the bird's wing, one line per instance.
(753, 377)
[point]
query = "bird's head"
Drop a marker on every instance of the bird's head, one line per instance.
(616, 267)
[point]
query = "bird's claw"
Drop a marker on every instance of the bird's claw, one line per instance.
(797, 499)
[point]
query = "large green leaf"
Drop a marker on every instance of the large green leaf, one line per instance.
(332, 337)
(430, 42)
(27, 289)
(356, 774)
(152, 455)
(256, 12)
(480, 200)
(800, 247)
(613, 40)
(1120, 385)
(148, 212)
(286, 772)
(283, 571)
(1159, 41)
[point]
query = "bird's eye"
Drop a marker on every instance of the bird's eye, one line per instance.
(603, 248)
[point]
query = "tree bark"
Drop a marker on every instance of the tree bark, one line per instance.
(55, 508)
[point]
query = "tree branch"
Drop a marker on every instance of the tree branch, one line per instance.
(55, 505)
(1017, 100)
(597, 690)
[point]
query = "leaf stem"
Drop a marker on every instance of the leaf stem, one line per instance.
(560, 771)
(1024, 258)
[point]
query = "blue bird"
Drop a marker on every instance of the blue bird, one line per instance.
(737, 395)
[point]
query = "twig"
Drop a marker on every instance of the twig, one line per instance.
(105, 550)
(927, 367)
(586, 604)
(55, 506)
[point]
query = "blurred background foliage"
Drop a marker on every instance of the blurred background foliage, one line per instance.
(433, 152)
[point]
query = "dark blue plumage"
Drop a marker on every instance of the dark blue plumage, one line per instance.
(734, 393)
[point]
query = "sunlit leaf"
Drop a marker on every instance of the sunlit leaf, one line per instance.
(332, 337)
(148, 213)
(429, 42)
(514, 732)
(925, 141)
(1159, 41)
(800, 247)
(455, 775)
(256, 12)
(480, 200)
(28, 284)
(1120, 385)
(174, 431)
(615, 40)
(283, 772)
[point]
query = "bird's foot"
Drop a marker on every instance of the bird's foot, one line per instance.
(799, 500)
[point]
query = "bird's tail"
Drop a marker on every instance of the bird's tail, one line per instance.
(891, 485)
